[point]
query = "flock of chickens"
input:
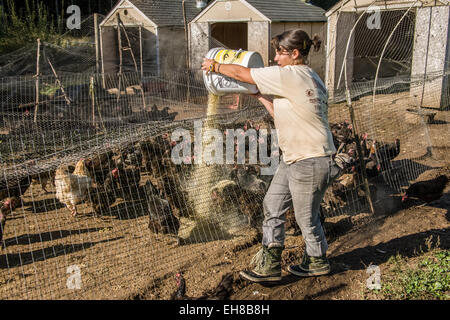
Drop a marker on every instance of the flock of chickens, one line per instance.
(117, 174)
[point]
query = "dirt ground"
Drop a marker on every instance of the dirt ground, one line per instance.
(118, 258)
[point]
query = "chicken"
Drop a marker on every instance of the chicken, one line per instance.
(14, 187)
(342, 133)
(251, 205)
(428, 190)
(6, 206)
(100, 165)
(127, 180)
(171, 188)
(154, 149)
(247, 179)
(43, 178)
(223, 290)
(161, 218)
(385, 153)
(225, 193)
(103, 196)
(72, 188)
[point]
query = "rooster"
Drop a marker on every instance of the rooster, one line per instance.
(6, 206)
(72, 188)
(428, 190)
(222, 292)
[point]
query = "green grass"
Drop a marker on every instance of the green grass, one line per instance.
(425, 278)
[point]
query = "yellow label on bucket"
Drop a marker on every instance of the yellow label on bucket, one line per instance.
(230, 56)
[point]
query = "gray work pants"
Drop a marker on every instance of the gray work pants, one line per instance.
(303, 185)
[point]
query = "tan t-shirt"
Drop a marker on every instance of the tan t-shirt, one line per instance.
(300, 110)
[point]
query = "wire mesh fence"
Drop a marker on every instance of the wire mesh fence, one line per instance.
(111, 183)
(106, 158)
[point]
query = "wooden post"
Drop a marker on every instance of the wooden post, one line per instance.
(59, 83)
(359, 152)
(186, 39)
(140, 52)
(119, 43)
(92, 94)
(97, 47)
(134, 61)
(37, 79)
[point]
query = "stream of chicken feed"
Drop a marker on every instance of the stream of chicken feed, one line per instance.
(210, 224)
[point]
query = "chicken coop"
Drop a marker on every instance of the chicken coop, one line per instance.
(377, 41)
(146, 36)
(251, 24)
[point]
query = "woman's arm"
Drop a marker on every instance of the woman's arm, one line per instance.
(234, 71)
(266, 101)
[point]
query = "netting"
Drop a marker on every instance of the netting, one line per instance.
(95, 207)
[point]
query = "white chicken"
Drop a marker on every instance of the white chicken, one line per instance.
(72, 188)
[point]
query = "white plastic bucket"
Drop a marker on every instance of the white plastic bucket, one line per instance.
(219, 84)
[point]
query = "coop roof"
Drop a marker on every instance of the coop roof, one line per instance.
(352, 5)
(160, 12)
(283, 11)
(289, 10)
(167, 12)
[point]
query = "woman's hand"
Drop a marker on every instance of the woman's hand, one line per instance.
(208, 65)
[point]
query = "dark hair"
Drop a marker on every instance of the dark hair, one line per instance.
(296, 39)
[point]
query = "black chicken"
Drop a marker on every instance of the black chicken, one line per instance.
(127, 180)
(222, 292)
(161, 218)
(14, 187)
(170, 185)
(428, 190)
(385, 153)
(103, 196)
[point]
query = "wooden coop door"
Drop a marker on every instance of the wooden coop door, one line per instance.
(232, 35)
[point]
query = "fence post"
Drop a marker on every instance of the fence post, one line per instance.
(59, 83)
(36, 106)
(92, 94)
(97, 52)
(359, 151)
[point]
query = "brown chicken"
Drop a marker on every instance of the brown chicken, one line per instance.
(6, 206)
(100, 166)
(72, 188)
(428, 190)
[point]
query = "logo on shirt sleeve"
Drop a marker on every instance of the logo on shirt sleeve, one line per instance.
(309, 93)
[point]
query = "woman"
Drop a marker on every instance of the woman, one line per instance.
(300, 111)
